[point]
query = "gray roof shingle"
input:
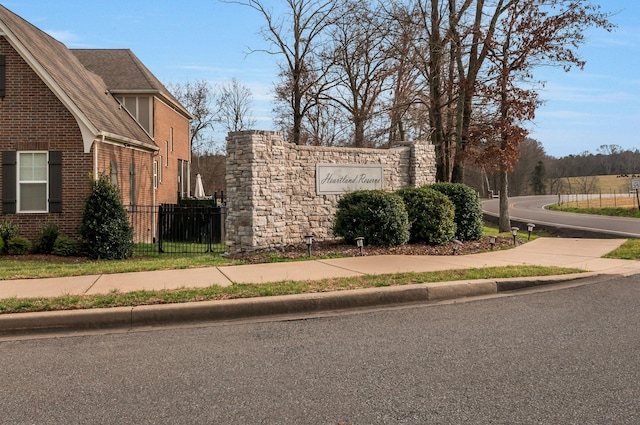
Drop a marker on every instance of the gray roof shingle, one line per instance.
(85, 89)
(123, 72)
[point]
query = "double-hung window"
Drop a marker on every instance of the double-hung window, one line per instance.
(33, 181)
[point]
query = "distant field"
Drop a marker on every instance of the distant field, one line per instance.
(595, 192)
(594, 185)
(605, 202)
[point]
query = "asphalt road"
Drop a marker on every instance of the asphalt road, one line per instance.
(524, 209)
(567, 356)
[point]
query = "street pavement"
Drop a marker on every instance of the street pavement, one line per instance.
(584, 254)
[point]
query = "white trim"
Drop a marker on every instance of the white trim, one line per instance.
(19, 182)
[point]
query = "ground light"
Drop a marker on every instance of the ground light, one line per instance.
(308, 239)
(456, 245)
(360, 243)
(492, 241)
(530, 227)
(514, 232)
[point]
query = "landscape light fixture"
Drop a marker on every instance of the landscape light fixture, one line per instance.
(530, 227)
(492, 241)
(514, 232)
(360, 243)
(456, 245)
(308, 239)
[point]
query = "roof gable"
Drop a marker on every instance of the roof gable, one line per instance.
(124, 73)
(83, 92)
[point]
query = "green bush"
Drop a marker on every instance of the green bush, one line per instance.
(64, 246)
(8, 230)
(1, 245)
(18, 245)
(430, 215)
(48, 235)
(105, 228)
(380, 217)
(468, 209)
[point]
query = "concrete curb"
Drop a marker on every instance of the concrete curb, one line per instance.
(207, 311)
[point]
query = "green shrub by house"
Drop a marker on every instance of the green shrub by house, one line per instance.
(64, 246)
(18, 245)
(468, 215)
(1, 245)
(431, 215)
(105, 229)
(46, 240)
(8, 230)
(380, 217)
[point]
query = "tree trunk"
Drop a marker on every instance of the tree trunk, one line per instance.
(504, 222)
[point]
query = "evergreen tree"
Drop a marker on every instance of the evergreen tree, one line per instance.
(537, 179)
(105, 229)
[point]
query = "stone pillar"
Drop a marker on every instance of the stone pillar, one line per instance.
(255, 190)
(423, 163)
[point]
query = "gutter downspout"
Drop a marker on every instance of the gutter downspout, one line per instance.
(154, 189)
(95, 157)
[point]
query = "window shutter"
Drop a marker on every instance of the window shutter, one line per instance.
(132, 185)
(9, 182)
(55, 181)
(3, 79)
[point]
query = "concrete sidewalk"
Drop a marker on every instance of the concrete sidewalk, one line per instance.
(584, 254)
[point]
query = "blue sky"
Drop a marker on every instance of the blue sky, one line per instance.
(183, 41)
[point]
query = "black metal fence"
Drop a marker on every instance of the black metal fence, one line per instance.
(178, 229)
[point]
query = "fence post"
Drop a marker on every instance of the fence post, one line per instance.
(160, 232)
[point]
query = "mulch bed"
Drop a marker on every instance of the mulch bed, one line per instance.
(335, 248)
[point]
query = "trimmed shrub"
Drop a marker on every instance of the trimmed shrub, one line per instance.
(18, 246)
(468, 209)
(431, 215)
(1, 245)
(64, 246)
(8, 230)
(380, 217)
(105, 229)
(46, 240)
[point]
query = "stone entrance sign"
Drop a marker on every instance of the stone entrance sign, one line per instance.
(279, 192)
(336, 179)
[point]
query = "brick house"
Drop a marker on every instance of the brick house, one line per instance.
(69, 115)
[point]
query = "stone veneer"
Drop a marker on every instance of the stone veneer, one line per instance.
(271, 185)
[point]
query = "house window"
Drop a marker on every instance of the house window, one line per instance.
(183, 179)
(113, 173)
(132, 185)
(141, 107)
(33, 181)
(155, 174)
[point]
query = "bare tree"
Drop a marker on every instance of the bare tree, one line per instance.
(234, 106)
(360, 60)
(297, 36)
(199, 99)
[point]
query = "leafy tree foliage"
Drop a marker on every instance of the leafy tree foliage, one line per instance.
(105, 230)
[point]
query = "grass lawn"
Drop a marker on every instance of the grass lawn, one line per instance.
(118, 299)
(16, 268)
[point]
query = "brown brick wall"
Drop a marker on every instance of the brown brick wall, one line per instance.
(165, 118)
(32, 117)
